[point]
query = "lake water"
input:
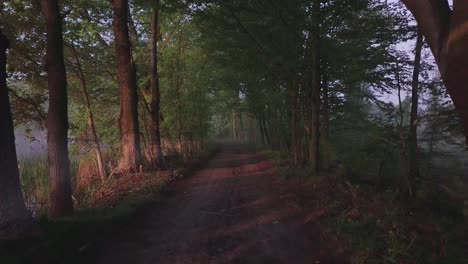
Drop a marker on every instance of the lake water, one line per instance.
(27, 148)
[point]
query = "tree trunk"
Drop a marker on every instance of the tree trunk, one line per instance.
(314, 157)
(326, 123)
(413, 135)
(234, 135)
(14, 217)
(91, 124)
(251, 128)
(262, 134)
(130, 157)
(265, 132)
(57, 118)
(445, 32)
(406, 185)
(294, 135)
(240, 127)
(155, 137)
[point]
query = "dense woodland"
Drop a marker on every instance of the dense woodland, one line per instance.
(373, 91)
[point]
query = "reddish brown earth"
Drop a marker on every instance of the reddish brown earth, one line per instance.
(231, 211)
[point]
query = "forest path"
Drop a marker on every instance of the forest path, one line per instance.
(227, 212)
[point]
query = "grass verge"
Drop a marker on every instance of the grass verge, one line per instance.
(77, 239)
(376, 226)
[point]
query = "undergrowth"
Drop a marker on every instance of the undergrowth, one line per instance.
(77, 238)
(379, 226)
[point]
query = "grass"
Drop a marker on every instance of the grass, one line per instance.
(75, 239)
(78, 238)
(34, 173)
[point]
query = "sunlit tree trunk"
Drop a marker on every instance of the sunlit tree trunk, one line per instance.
(130, 157)
(57, 117)
(156, 150)
(413, 135)
(14, 216)
(91, 124)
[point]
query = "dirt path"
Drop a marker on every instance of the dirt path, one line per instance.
(227, 212)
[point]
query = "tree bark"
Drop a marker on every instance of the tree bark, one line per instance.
(251, 128)
(155, 137)
(326, 123)
(240, 127)
(314, 153)
(14, 217)
(447, 35)
(234, 129)
(413, 135)
(91, 123)
(294, 134)
(130, 157)
(260, 127)
(57, 118)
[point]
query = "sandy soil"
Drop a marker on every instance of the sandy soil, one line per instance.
(230, 211)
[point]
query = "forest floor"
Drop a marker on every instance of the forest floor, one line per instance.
(239, 206)
(235, 209)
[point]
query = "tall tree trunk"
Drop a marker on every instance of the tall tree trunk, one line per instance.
(314, 157)
(156, 150)
(263, 127)
(57, 118)
(413, 135)
(234, 129)
(91, 124)
(179, 102)
(130, 157)
(262, 135)
(326, 123)
(240, 127)
(294, 134)
(251, 128)
(14, 217)
(406, 186)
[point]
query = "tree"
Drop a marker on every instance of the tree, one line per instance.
(413, 135)
(314, 146)
(130, 157)
(445, 32)
(156, 151)
(57, 116)
(91, 123)
(13, 213)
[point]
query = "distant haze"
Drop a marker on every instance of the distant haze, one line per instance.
(27, 148)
